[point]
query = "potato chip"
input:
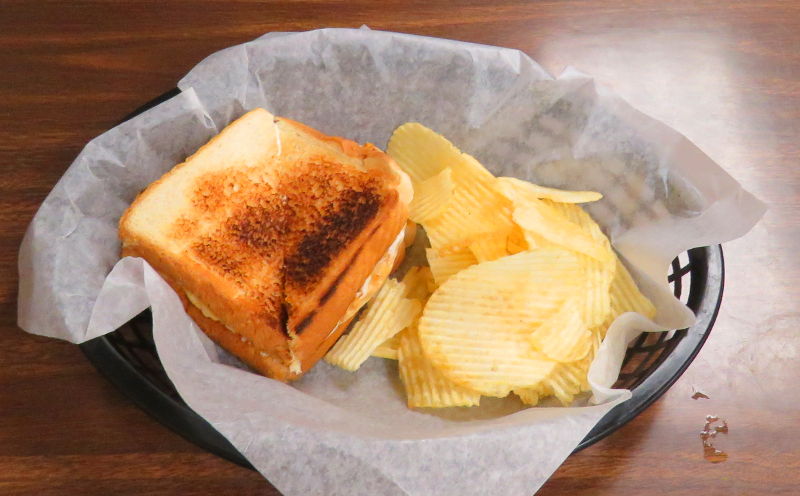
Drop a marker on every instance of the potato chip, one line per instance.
(467, 217)
(460, 225)
(626, 297)
(582, 367)
(527, 285)
(574, 214)
(388, 349)
(427, 387)
(512, 187)
(386, 315)
(528, 396)
(597, 303)
(490, 246)
(577, 215)
(476, 327)
(419, 283)
(571, 378)
(431, 196)
(515, 242)
(423, 153)
(534, 240)
(564, 336)
(565, 381)
(419, 286)
(420, 152)
(542, 220)
(598, 274)
(597, 279)
(474, 208)
(444, 266)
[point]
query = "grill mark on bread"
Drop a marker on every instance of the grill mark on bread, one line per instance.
(299, 328)
(283, 318)
(293, 224)
(332, 288)
(338, 228)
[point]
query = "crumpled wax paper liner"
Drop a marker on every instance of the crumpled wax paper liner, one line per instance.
(335, 432)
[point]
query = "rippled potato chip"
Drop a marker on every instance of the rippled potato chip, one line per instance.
(626, 297)
(596, 306)
(516, 242)
(490, 246)
(466, 218)
(386, 315)
(388, 349)
(566, 381)
(419, 285)
(599, 274)
(539, 218)
(512, 188)
(564, 336)
(445, 266)
(431, 197)
(418, 151)
(426, 386)
(529, 396)
(521, 288)
(476, 327)
(577, 215)
(475, 206)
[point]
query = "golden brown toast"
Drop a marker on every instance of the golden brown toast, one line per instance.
(269, 232)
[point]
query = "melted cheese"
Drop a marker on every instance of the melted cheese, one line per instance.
(210, 315)
(202, 307)
(295, 367)
(373, 282)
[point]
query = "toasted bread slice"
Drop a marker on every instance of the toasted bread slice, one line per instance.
(273, 234)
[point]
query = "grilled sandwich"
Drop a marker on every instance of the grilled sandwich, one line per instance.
(273, 235)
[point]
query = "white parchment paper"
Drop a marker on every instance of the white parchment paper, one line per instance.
(335, 432)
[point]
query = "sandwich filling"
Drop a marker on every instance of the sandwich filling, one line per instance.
(373, 282)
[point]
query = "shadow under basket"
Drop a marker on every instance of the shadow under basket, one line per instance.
(127, 357)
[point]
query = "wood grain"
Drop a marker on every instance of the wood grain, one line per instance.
(723, 73)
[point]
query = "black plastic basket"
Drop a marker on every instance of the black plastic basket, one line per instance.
(653, 362)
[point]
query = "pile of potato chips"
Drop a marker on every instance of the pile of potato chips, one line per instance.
(521, 288)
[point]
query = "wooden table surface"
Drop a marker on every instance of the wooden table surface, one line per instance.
(726, 74)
